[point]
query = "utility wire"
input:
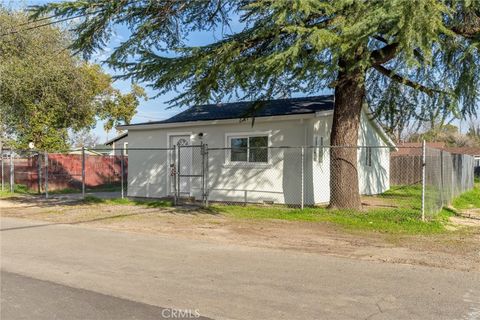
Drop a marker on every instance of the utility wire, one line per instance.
(45, 24)
(37, 20)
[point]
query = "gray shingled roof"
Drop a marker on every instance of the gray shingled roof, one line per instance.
(115, 139)
(237, 110)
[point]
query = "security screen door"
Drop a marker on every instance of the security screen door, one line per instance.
(184, 162)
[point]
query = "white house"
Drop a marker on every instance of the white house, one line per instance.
(119, 144)
(248, 162)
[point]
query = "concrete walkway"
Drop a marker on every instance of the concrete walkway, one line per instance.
(232, 282)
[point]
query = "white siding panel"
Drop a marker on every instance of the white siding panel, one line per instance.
(278, 182)
(374, 179)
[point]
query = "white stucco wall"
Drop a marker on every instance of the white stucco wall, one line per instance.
(374, 179)
(279, 181)
(118, 145)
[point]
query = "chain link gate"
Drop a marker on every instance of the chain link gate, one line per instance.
(188, 172)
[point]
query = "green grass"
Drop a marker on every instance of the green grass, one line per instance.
(125, 201)
(19, 189)
(64, 191)
(396, 220)
(404, 218)
(101, 188)
(105, 188)
(22, 189)
(404, 196)
(469, 199)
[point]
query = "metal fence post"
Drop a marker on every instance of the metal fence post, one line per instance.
(302, 182)
(1, 155)
(177, 172)
(83, 172)
(202, 150)
(122, 170)
(443, 195)
(12, 172)
(207, 170)
(424, 158)
(39, 172)
(46, 174)
(173, 174)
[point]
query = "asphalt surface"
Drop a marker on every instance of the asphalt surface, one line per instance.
(27, 298)
(219, 281)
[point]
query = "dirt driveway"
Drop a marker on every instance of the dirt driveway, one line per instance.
(456, 250)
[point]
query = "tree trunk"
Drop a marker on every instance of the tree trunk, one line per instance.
(349, 97)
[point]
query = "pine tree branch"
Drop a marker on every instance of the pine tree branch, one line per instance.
(385, 54)
(416, 52)
(415, 85)
(468, 31)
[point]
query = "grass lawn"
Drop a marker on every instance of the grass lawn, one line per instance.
(401, 217)
(22, 190)
(469, 199)
(18, 190)
(125, 201)
(101, 188)
(382, 220)
(405, 218)
(116, 187)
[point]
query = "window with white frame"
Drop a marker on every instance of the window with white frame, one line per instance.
(368, 156)
(125, 148)
(252, 149)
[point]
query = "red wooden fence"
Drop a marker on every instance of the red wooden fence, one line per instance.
(65, 171)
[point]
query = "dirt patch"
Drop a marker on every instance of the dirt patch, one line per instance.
(377, 202)
(459, 249)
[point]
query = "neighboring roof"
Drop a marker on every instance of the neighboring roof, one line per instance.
(238, 110)
(474, 151)
(123, 135)
(415, 148)
(87, 152)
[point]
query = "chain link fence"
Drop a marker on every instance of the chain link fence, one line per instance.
(69, 172)
(421, 180)
(447, 176)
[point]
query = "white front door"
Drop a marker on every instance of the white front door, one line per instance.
(184, 162)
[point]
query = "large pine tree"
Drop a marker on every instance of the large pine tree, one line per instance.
(430, 48)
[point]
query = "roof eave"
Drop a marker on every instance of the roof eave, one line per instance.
(115, 139)
(378, 128)
(148, 126)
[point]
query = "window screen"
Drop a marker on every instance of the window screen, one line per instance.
(249, 149)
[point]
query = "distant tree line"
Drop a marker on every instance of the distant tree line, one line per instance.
(48, 94)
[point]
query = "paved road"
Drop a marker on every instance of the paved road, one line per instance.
(226, 281)
(27, 298)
